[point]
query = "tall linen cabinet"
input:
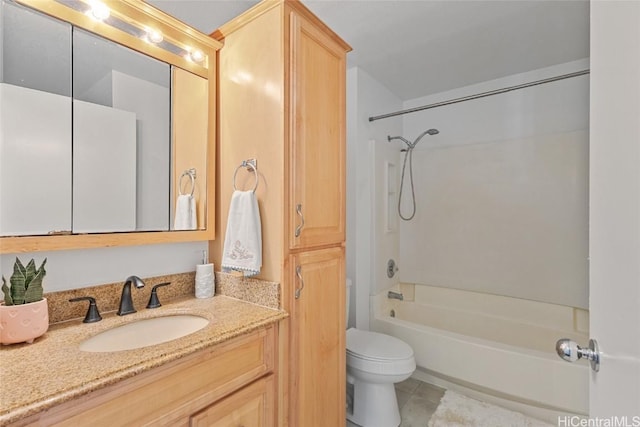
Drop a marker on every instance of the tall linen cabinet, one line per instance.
(282, 79)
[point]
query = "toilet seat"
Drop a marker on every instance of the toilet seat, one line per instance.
(378, 353)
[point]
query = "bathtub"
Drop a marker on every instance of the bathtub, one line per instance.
(497, 346)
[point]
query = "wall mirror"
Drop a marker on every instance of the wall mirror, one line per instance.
(107, 126)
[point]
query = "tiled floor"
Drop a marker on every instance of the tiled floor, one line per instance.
(417, 402)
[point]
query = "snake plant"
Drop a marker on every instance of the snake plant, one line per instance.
(26, 283)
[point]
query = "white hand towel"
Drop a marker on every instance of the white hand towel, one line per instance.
(185, 213)
(243, 239)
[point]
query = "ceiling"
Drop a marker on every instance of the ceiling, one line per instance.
(417, 48)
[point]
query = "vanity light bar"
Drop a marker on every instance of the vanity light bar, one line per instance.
(100, 11)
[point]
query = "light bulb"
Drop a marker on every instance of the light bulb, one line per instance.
(99, 11)
(154, 36)
(196, 55)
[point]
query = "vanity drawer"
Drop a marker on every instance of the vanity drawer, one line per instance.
(171, 394)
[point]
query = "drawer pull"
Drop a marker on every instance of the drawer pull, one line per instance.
(299, 212)
(299, 274)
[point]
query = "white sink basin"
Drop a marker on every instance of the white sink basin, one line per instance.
(143, 333)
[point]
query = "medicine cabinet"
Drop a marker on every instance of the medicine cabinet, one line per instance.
(107, 117)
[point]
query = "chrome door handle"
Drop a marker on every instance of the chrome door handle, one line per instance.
(299, 212)
(570, 351)
(299, 274)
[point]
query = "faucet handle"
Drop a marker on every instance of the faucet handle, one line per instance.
(154, 302)
(93, 315)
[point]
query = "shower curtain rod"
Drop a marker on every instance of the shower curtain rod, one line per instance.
(480, 95)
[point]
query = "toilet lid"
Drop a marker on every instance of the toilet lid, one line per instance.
(374, 346)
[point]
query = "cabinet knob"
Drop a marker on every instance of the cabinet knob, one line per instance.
(299, 274)
(299, 212)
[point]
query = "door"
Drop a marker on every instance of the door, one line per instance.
(317, 182)
(250, 406)
(319, 353)
(615, 209)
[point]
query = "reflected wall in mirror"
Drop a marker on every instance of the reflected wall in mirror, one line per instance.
(189, 133)
(35, 123)
(101, 130)
(121, 138)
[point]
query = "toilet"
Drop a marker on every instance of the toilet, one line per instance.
(375, 362)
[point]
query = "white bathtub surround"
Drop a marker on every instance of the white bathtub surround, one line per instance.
(507, 335)
(502, 190)
(502, 217)
(458, 410)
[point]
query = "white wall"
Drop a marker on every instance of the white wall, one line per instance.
(556, 107)
(502, 191)
(89, 267)
(352, 188)
(365, 97)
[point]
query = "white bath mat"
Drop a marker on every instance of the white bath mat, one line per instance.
(456, 410)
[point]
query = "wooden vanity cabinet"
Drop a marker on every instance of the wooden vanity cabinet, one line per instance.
(225, 385)
(282, 98)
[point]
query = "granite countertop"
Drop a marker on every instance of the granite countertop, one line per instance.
(53, 370)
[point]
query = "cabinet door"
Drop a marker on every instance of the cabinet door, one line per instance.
(252, 406)
(318, 339)
(317, 152)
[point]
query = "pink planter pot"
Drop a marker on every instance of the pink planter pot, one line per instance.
(23, 322)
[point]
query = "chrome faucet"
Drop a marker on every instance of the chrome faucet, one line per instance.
(126, 303)
(395, 295)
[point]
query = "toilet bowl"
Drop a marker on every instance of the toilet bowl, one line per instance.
(375, 362)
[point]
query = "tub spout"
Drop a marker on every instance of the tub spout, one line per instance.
(395, 295)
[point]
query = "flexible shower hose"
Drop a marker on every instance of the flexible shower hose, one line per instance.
(408, 153)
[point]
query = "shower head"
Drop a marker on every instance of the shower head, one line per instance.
(410, 144)
(426, 132)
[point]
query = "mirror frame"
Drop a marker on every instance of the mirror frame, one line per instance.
(178, 33)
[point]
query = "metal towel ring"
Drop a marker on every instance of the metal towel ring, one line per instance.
(191, 173)
(251, 165)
